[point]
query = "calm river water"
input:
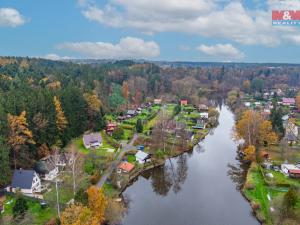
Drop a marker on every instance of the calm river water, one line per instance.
(197, 188)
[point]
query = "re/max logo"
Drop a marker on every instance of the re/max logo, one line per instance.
(286, 17)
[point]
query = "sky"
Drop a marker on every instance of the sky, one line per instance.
(172, 30)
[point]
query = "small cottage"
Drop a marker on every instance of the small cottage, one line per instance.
(291, 170)
(27, 181)
(110, 127)
(125, 167)
(157, 101)
(203, 107)
(288, 101)
(203, 115)
(93, 140)
(142, 157)
(183, 102)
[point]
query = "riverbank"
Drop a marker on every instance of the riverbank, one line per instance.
(125, 180)
(265, 193)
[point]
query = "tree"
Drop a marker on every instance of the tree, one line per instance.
(139, 126)
(249, 153)
(93, 108)
(97, 203)
(276, 119)
(61, 120)
(20, 206)
(4, 163)
(19, 133)
(77, 214)
(247, 127)
(118, 133)
(290, 200)
(267, 136)
(114, 212)
(81, 197)
(125, 90)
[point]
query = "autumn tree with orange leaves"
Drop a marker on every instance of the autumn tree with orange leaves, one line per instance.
(255, 131)
(19, 133)
(61, 120)
(93, 214)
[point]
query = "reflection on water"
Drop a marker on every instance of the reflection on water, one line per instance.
(198, 187)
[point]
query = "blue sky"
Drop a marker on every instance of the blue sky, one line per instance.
(190, 30)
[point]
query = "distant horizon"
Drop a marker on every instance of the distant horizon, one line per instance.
(147, 60)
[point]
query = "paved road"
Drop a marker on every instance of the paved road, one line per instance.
(125, 148)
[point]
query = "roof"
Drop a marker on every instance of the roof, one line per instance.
(288, 100)
(131, 112)
(291, 137)
(126, 166)
(290, 167)
(45, 165)
(295, 171)
(92, 138)
(141, 155)
(22, 179)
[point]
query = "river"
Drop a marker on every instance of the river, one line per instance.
(197, 188)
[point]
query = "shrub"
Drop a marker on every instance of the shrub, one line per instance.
(20, 206)
(95, 178)
(118, 133)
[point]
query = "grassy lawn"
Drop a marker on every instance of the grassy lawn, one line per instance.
(131, 158)
(257, 189)
(109, 190)
(102, 151)
(40, 216)
(258, 192)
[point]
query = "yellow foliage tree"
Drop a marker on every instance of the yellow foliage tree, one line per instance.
(19, 133)
(61, 120)
(97, 203)
(93, 102)
(249, 153)
(247, 127)
(266, 134)
(77, 214)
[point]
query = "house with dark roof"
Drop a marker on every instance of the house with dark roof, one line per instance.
(26, 181)
(47, 168)
(93, 140)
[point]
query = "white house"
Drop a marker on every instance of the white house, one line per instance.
(142, 157)
(204, 115)
(27, 181)
(93, 140)
(291, 132)
(291, 170)
(247, 104)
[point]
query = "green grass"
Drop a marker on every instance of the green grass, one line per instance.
(109, 190)
(131, 158)
(40, 216)
(259, 193)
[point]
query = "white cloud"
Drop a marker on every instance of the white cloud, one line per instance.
(55, 57)
(10, 17)
(221, 51)
(228, 19)
(128, 47)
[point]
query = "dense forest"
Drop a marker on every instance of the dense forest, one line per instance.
(44, 103)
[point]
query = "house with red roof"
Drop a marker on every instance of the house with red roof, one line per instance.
(288, 101)
(183, 102)
(125, 167)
